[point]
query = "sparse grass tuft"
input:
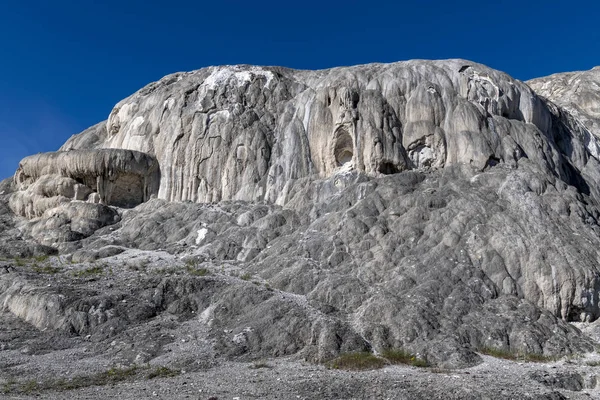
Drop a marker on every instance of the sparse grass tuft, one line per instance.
(108, 377)
(359, 361)
(400, 356)
(246, 276)
(91, 271)
(191, 263)
(163, 372)
(197, 271)
(515, 356)
(41, 258)
(165, 271)
(46, 269)
(30, 387)
(8, 386)
(19, 262)
(498, 353)
(119, 374)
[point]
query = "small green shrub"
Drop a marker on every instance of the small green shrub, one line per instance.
(191, 263)
(593, 363)
(8, 386)
(246, 276)
(400, 356)
(30, 387)
(20, 262)
(359, 361)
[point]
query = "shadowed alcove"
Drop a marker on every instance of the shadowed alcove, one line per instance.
(344, 148)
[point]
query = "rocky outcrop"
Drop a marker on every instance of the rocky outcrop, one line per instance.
(576, 92)
(117, 177)
(68, 195)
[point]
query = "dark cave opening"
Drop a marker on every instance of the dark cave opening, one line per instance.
(388, 168)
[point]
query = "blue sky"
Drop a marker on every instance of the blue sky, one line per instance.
(64, 64)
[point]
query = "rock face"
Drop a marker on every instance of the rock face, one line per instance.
(578, 93)
(68, 192)
(436, 206)
(117, 177)
(245, 133)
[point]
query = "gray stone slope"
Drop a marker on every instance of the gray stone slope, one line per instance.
(433, 262)
(440, 207)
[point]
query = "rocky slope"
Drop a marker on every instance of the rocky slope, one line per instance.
(576, 92)
(438, 207)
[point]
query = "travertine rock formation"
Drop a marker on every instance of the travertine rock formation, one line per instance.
(437, 206)
(117, 177)
(245, 133)
(577, 92)
(68, 194)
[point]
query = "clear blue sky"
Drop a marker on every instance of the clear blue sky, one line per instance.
(64, 64)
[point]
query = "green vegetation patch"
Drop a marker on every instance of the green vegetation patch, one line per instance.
(21, 262)
(91, 271)
(163, 372)
(165, 271)
(197, 271)
(110, 376)
(498, 353)
(46, 269)
(41, 258)
(246, 276)
(400, 356)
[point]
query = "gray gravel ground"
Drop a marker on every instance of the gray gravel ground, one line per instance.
(28, 360)
(288, 379)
